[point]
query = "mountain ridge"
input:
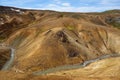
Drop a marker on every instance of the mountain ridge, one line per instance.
(47, 39)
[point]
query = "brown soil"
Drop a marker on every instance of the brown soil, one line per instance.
(47, 39)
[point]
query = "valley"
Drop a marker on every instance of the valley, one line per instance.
(51, 45)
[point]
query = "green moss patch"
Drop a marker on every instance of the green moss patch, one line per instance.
(71, 28)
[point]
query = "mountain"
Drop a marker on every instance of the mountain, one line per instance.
(33, 41)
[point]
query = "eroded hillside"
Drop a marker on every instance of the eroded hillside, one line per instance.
(41, 40)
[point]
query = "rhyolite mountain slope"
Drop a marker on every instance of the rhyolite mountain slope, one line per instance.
(47, 39)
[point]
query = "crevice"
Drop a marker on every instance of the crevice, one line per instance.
(103, 40)
(62, 37)
(72, 53)
(48, 32)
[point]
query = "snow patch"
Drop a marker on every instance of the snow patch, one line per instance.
(1, 21)
(17, 10)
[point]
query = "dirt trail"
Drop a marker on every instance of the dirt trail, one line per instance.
(10, 61)
(75, 66)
